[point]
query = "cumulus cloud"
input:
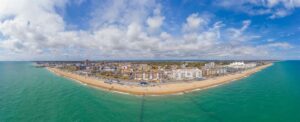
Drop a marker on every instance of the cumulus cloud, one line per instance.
(122, 29)
(121, 12)
(194, 22)
(32, 25)
(155, 22)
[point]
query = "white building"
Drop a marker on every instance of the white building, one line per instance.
(210, 65)
(185, 74)
(241, 65)
(148, 76)
(209, 72)
(251, 65)
(108, 68)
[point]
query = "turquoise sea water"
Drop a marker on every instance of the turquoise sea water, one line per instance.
(35, 94)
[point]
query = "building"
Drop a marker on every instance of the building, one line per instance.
(108, 69)
(241, 65)
(237, 65)
(210, 65)
(148, 76)
(217, 71)
(250, 65)
(185, 74)
(80, 66)
(125, 68)
(143, 67)
(211, 69)
(86, 62)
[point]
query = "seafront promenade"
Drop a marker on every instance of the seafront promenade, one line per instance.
(163, 89)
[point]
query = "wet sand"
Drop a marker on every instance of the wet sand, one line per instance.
(163, 89)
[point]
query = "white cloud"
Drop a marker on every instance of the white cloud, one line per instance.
(32, 25)
(194, 22)
(237, 36)
(155, 22)
(134, 31)
(283, 45)
(273, 8)
(121, 29)
(121, 12)
(280, 13)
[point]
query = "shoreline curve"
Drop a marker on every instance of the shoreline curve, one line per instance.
(163, 89)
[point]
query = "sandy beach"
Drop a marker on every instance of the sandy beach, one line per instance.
(163, 89)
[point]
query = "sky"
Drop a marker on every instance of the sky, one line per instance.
(149, 29)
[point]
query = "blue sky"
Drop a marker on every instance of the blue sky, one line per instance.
(149, 29)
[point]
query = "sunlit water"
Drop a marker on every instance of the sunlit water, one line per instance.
(35, 94)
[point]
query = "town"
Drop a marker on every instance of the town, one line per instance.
(152, 72)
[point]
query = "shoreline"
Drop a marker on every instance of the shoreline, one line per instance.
(163, 89)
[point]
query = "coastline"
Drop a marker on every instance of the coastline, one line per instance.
(163, 89)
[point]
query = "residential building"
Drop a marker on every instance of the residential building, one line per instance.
(210, 65)
(217, 71)
(185, 74)
(108, 69)
(241, 65)
(148, 76)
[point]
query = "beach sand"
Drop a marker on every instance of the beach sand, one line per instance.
(163, 89)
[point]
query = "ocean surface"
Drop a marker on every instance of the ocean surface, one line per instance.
(34, 94)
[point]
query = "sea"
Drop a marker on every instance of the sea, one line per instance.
(30, 94)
